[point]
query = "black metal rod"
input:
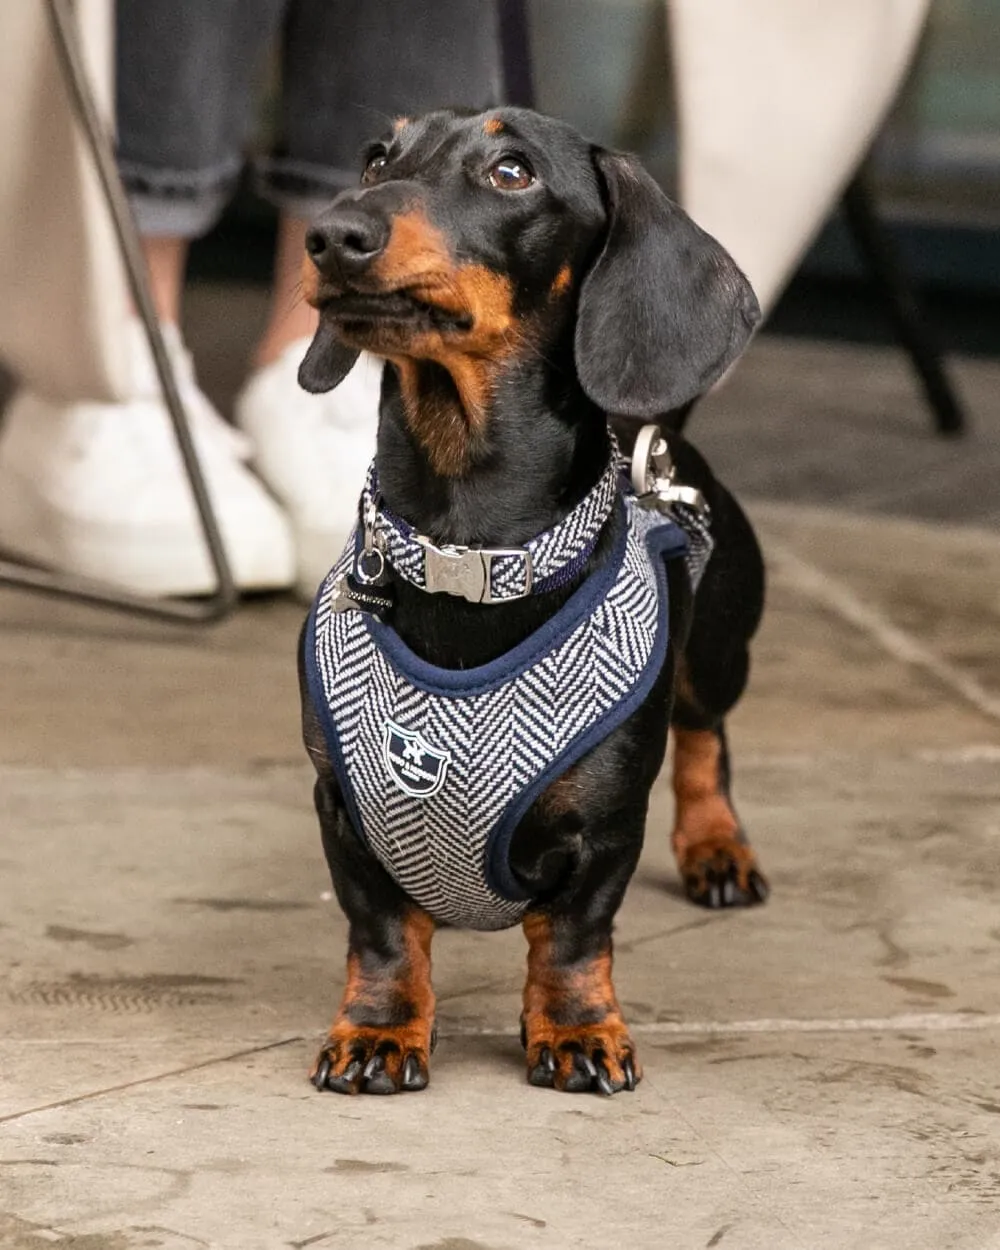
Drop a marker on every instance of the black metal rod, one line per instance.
(66, 39)
(515, 52)
(903, 305)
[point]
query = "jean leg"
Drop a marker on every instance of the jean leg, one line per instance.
(351, 65)
(186, 83)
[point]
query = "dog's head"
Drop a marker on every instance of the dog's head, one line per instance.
(471, 236)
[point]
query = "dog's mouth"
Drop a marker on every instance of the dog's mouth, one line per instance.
(403, 309)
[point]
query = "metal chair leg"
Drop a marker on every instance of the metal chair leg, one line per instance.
(515, 53)
(900, 297)
(203, 611)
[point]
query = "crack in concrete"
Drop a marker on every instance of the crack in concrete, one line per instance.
(930, 1022)
(149, 1080)
(834, 595)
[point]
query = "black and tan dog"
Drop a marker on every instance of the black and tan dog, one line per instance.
(525, 286)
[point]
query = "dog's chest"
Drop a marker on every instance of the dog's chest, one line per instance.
(438, 766)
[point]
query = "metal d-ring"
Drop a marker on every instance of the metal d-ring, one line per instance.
(363, 575)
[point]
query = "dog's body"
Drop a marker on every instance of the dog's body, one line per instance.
(523, 286)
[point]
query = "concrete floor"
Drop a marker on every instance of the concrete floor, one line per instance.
(821, 1072)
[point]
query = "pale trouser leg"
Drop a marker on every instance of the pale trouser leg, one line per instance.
(778, 100)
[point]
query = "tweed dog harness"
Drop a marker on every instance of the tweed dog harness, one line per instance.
(437, 766)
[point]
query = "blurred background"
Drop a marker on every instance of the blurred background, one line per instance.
(826, 408)
(605, 66)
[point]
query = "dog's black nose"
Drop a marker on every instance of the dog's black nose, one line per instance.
(346, 241)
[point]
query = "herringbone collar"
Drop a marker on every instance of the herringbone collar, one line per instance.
(489, 574)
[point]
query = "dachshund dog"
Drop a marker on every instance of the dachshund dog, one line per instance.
(490, 671)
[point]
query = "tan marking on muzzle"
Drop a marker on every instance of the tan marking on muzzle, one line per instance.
(310, 281)
(416, 249)
(447, 427)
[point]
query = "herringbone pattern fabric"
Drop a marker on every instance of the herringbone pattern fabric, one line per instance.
(551, 552)
(698, 527)
(489, 745)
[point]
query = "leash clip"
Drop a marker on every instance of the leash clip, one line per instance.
(369, 567)
(653, 474)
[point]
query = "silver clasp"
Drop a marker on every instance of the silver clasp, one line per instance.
(370, 564)
(465, 571)
(653, 473)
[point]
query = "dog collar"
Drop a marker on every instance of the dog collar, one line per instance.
(486, 574)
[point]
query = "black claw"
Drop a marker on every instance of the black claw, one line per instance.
(759, 887)
(728, 892)
(714, 896)
(603, 1081)
(583, 1075)
(339, 1085)
(414, 1076)
(322, 1072)
(543, 1072)
(380, 1083)
(374, 1066)
(629, 1071)
(347, 1081)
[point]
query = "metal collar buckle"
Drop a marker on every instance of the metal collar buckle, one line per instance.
(465, 571)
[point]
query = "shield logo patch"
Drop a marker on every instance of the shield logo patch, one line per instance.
(414, 765)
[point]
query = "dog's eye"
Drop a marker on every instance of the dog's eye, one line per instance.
(376, 163)
(511, 174)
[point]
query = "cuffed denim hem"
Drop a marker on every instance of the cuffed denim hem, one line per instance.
(300, 188)
(178, 203)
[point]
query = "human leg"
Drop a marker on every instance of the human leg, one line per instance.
(348, 68)
(100, 489)
(778, 101)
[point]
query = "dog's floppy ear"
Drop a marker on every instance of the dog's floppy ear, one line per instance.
(327, 362)
(664, 309)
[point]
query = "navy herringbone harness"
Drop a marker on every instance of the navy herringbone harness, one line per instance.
(437, 766)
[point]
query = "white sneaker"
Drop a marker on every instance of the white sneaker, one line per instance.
(99, 490)
(313, 451)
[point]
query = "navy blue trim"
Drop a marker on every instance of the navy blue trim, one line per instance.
(464, 683)
(664, 542)
(317, 695)
(662, 546)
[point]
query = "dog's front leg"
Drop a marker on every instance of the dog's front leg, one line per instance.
(572, 1027)
(381, 1038)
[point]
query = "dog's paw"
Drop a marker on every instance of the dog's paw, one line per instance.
(373, 1061)
(580, 1059)
(722, 872)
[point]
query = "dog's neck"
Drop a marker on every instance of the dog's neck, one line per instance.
(541, 445)
(534, 449)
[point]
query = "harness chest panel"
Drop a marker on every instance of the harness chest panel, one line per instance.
(437, 766)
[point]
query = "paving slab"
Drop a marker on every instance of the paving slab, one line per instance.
(820, 1072)
(758, 1143)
